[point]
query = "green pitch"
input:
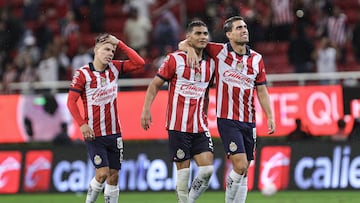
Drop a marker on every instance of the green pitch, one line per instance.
(208, 197)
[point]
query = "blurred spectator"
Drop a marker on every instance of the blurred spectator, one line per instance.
(28, 73)
(282, 19)
(356, 39)
(161, 57)
(325, 56)
(60, 48)
(82, 58)
(250, 10)
(337, 31)
(97, 17)
(217, 33)
(70, 32)
(300, 49)
(137, 29)
(30, 9)
(48, 66)
(29, 50)
(228, 8)
(63, 138)
(11, 33)
(341, 133)
(355, 132)
(298, 133)
(143, 6)
(166, 32)
(43, 33)
(77, 6)
(10, 75)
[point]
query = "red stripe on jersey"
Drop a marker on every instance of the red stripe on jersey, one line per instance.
(170, 106)
(118, 127)
(249, 62)
(96, 121)
(224, 101)
(93, 82)
(179, 112)
(207, 72)
(187, 71)
(192, 112)
(248, 106)
(229, 59)
(236, 103)
(108, 119)
(112, 75)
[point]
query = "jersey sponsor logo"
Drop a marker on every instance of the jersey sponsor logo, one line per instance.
(10, 168)
(37, 170)
(237, 79)
(104, 95)
(191, 90)
(275, 166)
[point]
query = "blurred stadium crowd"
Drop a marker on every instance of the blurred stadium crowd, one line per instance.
(46, 40)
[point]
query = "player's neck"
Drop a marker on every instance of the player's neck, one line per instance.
(98, 66)
(199, 53)
(239, 48)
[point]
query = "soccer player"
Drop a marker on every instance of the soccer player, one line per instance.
(239, 72)
(96, 84)
(186, 124)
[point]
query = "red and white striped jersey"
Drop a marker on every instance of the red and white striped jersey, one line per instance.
(337, 29)
(187, 88)
(236, 78)
(99, 95)
(282, 12)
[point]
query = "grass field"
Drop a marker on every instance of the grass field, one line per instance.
(208, 197)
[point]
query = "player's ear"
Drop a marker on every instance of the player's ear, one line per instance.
(228, 34)
(96, 47)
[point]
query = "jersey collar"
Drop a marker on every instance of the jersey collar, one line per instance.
(92, 68)
(230, 49)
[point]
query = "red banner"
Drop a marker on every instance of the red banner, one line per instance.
(319, 107)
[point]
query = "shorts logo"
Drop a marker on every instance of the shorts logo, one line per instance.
(233, 147)
(180, 154)
(97, 160)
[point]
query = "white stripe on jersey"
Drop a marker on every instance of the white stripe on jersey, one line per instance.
(88, 99)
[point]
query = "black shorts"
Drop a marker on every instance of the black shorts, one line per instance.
(106, 151)
(184, 146)
(237, 137)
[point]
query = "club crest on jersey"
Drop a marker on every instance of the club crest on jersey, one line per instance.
(103, 81)
(97, 160)
(197, 77)
(232, 146)
(180, 154)
(240, 66)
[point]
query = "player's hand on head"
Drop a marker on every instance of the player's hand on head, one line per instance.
(113, 40)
